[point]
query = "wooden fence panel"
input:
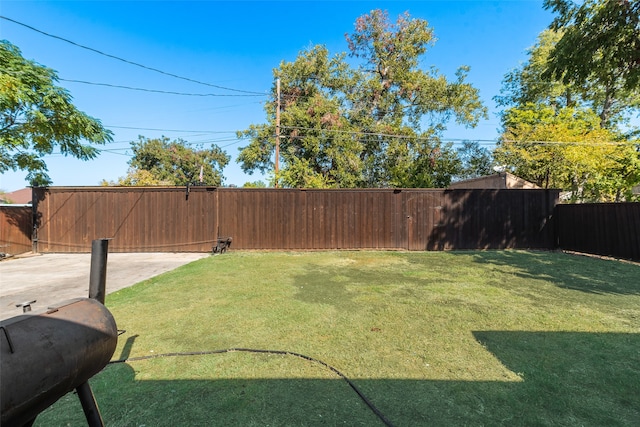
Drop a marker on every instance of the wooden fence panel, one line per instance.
(486, 219)
(136, 219)
(420, 219)
(308, 219)
(15, 229)
(351, 219)
(174, 219)
(610, 229)
(258, 219)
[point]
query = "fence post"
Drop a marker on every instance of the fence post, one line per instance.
(34, 221)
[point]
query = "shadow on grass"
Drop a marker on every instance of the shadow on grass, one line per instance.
(590, 379)
(580, 273)
(329, 285)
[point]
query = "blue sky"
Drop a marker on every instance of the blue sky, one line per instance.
(235, 45)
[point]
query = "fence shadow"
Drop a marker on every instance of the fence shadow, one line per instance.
(495, 219)
(610, 229)
(16, 228)
(567, 271)
(19, 217)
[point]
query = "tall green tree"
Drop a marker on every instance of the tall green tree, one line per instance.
(599, 46)
(550, 109)
(372, 121)
(161, 161)
(526, 84)
(317, 148)
(475, 161)
(38, 117)
(533, 82)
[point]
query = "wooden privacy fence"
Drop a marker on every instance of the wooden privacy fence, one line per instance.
(15, 232)
(190, 220)
(611, 229)
(136, 219)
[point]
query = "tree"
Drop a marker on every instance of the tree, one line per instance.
(376, 124)
(163, 162)
(526, 84)
(37, 117)
(137, 178)
(564, 130)
(255, 184)
(475, 161)
(532, 82)
(317, 147)
(599, 45)
(568, 149)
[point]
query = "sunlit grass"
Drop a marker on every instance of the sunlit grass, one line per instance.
(437, 338)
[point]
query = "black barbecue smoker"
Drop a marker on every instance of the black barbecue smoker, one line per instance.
(48, 353)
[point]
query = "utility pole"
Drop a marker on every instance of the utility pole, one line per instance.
(277, 162)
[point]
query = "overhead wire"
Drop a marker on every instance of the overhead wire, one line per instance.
(587, 143)
(224, 107)
(377, 134)
(171, 130)
(240, 93)
(166, 92)
(157, 91)
(115, 151)
(99, 52)
(362, 136)
(453, 140)
(254, 93)
(122, 151)
(205, 132)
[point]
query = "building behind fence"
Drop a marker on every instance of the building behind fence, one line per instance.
(180, 219)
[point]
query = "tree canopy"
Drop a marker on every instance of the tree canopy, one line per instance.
(160, 161)
(566, 122)
(526, 84)
(475, 161)
(38, 117)
(568, 149)
(372, 121)
(599, 46)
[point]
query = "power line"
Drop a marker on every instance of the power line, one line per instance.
(588, 143)
(172, 130)
(361, 134)
(223, 107)
(346, 132)
(379, 134)
(115, 152)
(124, 151)
(153, 90)
(126, 60)
(415, 137)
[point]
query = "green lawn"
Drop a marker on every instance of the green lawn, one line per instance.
(431, 338)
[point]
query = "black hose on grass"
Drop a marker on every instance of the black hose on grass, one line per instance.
(364, 398)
